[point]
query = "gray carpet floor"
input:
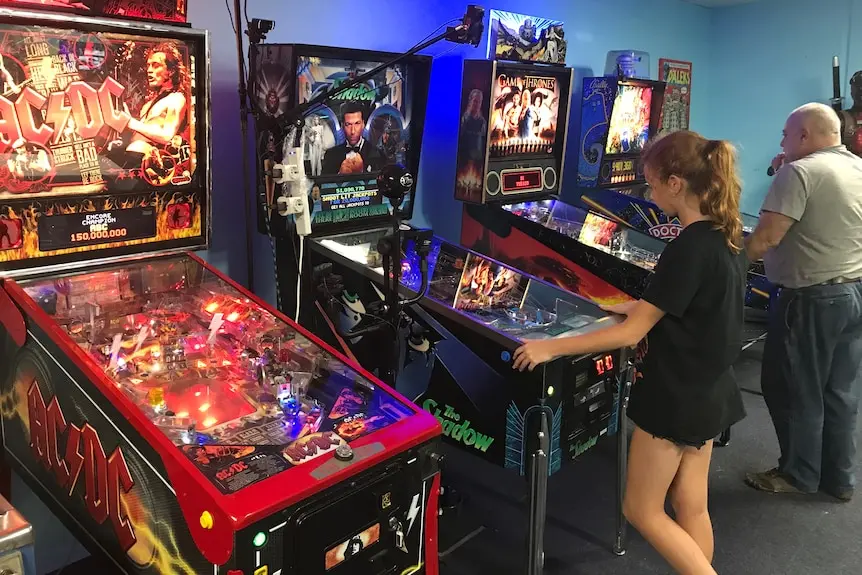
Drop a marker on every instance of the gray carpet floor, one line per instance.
(756, 533)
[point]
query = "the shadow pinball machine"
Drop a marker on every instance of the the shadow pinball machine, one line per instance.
(172, 420)
(448, 346)
(467, 314)
(345, 141)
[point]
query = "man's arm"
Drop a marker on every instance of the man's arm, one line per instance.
(769, 232)
(783, 206)
(163, 126)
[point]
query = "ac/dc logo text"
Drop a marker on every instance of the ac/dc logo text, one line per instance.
(105, 478)
(91, 109)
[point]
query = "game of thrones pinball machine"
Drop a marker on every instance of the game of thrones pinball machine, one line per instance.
(170, 419)
(514, 121)
(605, 245)
(562, 243)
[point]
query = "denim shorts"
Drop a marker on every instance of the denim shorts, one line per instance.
(680, 442)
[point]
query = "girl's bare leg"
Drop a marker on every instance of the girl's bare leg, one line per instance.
(653, 464)
(688, 496)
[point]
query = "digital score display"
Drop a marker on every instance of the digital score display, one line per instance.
(622, 166)
(339, 202)
(603, 364)
(522, 181)
(64, 231)
(622, 171)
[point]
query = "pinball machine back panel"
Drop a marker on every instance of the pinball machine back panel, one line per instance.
(512, 132)
(104, 143)
(348, 139)
(618, 118)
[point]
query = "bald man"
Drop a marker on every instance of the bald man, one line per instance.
(810, 238)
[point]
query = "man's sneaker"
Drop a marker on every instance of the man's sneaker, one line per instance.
(844, 495)
(772, 481)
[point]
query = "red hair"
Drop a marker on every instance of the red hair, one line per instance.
(709, 169)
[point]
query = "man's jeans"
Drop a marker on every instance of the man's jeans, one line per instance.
(812, 383)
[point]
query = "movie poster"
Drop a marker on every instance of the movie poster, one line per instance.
(524, 114)
(677, 96)
(99, 124)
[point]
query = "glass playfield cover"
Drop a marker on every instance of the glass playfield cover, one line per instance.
(222, 377)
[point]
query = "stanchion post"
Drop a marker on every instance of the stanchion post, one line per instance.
(622, 454)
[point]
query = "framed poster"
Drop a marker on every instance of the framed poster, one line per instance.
(677, 96)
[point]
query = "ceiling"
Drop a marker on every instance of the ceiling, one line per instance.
(719, 3)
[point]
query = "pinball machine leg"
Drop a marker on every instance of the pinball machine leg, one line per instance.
(538, 499)
(620, 541)
(5, 479)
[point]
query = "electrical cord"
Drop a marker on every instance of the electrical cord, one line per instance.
(437, 29)
(847, 74)
(230, 12)
(299, 277)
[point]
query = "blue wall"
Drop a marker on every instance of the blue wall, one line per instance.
(768, 58)
(664, 28)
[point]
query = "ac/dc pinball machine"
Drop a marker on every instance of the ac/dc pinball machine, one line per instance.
(168, 11)
(345, 141)
(463, 331)
(167, 416)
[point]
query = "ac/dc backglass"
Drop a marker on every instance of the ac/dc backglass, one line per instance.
(103, 143)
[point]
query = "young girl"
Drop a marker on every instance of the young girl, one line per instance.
(688, 329)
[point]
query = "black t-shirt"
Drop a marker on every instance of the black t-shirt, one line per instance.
(685, 388)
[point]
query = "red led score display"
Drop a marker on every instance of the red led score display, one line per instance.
(522, 181)
(604, 364)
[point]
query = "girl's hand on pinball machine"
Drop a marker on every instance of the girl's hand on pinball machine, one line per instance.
(534, 353)
(624, 308)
